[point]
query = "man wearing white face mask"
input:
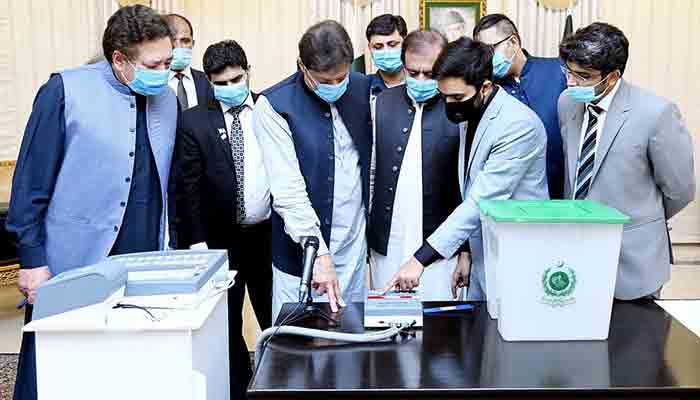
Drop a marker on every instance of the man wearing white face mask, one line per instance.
(224, 195)
(190, 85)
(315, 132)
(627, 148)
(536, 81)
(94, 164)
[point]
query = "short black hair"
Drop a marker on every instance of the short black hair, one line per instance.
(385, 25)
(130, 26)
(227, 53)
(467, 59)
(502, 23)
(187, 21)
(598, 46)
(420, 39)
(324, 46)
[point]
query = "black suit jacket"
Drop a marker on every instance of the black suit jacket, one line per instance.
(202, 86)
(206, 182)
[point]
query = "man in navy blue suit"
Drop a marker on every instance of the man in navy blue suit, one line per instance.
(537, 82)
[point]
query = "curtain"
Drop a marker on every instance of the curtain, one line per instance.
(36, 39)
(663, 59)
(541, 29)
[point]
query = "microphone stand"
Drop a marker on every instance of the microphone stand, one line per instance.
(311, 311)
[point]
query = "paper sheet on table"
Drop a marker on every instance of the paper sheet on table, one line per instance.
(685, 311)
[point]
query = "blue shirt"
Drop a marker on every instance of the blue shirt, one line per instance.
(41, 155)
(541, 83)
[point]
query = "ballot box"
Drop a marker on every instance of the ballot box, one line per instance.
(551, 267)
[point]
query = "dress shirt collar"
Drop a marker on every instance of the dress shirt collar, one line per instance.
(606, 101)
(247, 103)
(187, 72)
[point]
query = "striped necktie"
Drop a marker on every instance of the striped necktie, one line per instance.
(586, 160)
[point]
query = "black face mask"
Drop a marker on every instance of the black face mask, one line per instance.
(466, 110)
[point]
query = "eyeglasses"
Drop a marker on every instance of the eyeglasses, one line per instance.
(493, 46)
(578, 78)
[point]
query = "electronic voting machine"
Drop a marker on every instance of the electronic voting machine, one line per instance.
(165, 279)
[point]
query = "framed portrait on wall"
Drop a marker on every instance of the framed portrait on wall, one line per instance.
(454, 18)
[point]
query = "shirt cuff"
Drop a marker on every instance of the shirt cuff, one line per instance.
(199, 246)
(32, 257)
(322, 247)
(427, 255)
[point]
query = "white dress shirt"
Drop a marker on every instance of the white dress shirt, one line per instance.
(256, 187)
(604, 104)
(406, 232)
(188, 82)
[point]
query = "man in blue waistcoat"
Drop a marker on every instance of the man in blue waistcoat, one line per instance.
(314, 130)
(416, 186)
(92, 171)
(536, 81)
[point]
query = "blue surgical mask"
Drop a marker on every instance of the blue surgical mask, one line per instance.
(232, 95)
(182, 58)
(387, 60)
(149, 82)
(584, 94)
(421, 91)
(331, 93)
(501, 64)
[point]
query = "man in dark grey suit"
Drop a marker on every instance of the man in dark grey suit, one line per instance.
(626, 148)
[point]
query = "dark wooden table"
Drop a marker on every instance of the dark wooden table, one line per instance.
(649, 354)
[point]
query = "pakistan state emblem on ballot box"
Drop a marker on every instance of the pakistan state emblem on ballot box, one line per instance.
(559, 285)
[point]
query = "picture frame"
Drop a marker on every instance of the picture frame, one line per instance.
(453, 18)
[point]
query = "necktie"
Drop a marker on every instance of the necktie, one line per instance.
(237, 151)
(586, 160)
(181, 92)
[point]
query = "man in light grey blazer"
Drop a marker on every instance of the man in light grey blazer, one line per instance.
(626, 148)
(506, 146)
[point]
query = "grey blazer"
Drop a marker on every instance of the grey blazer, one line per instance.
(644, 168)
(507, 161)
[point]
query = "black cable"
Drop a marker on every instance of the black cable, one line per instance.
(134, 306)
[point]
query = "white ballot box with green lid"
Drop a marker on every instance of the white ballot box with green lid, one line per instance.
(551, 267)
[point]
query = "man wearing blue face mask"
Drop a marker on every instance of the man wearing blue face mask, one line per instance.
(95, 160)
(385, 34)
(627, 148)
(416, 146)
(315, 132)
(190, 85)
(536, 81)
(224, 195)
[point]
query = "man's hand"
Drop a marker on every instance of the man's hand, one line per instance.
(460, 276)
(30, 279)
(408, 276)
(325, 280)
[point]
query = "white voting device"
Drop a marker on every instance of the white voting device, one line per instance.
(393, 309)
(177, 279)
(166, 279)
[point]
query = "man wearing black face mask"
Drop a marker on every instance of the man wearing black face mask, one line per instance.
(502, 156)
